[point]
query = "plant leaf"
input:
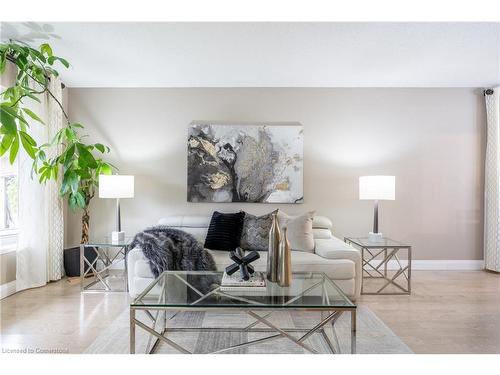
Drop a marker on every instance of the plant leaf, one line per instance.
(84, 174)
(86, 157)
(72, 201)
(37, 55)
(70, 182)
(33, 115)
(41, 155)
(68, 155)
(12, 111)
(3, 62)
(105, 169)
(55, 170)
(100, 147)
(44, 176)
(80, 200)
(8, 121)
(64, 62)
(29, 144)
(46, 49)
(70, 134)
(28, 138)
(7, 140)
(33, 97)
(14, 148)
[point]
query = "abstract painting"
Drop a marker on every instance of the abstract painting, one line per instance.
(260, 163)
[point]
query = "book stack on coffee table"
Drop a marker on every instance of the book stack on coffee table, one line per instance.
(234, 282)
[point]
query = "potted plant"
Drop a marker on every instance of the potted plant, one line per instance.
(76, 165)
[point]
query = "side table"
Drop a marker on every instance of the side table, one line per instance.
(375, 258)
(108, 254)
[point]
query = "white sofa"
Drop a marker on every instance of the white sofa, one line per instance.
(341, 262)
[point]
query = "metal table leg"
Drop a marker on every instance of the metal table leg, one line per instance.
(353, 331)
(132, 331)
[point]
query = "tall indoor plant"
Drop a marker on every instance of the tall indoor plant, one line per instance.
(76, 165)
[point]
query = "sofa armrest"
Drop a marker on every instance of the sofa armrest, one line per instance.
(334, 248)
(133, 255)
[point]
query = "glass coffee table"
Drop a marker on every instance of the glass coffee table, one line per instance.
(178, 291)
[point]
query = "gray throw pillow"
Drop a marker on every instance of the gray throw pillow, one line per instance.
(255, 233)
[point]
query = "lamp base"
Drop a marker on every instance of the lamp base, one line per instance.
(117, 237)
(375, 237)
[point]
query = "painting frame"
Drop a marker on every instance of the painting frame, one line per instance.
(245, 162)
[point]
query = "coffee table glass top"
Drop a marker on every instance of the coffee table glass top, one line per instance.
(384, 242)
(194, 289)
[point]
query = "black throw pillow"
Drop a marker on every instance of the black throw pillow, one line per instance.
(224, 231)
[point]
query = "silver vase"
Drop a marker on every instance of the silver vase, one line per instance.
(272, 256)
(284, 261)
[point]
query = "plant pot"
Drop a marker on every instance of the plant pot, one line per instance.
(72, 260)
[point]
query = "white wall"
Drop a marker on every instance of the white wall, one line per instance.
(432, 140)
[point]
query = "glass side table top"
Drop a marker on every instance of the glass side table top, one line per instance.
(202, 289)
(106, 242)
(384, 242)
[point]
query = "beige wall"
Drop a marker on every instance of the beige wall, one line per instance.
(432, 140)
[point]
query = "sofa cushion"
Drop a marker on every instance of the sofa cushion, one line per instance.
(341, 269)
(299, 230)
(322, 222)
(255, 233)
(334, 248)
(224, 231)
(301, 262)
(321, 233)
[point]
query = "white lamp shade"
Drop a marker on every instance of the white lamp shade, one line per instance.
(116, 186)
(377, 187)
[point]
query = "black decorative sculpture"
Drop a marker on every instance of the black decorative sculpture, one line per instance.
(242, 263)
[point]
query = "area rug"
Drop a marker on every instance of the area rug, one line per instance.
(372, 337)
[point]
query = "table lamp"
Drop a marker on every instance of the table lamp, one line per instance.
(116, 186)
(376, 188)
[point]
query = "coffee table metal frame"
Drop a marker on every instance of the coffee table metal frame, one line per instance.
(107, 259)
(158, 330)
(372, 264)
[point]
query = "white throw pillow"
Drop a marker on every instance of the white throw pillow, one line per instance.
(299, 230)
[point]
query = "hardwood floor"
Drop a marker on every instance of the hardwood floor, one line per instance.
(57, 317)
(448, 312)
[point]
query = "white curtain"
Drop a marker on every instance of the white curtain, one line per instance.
(492, 182)
(40, 247)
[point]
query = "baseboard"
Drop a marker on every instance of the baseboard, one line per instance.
(438, 265)
(7, 289)
(448, 265)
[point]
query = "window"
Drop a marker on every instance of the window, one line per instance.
(9, 205)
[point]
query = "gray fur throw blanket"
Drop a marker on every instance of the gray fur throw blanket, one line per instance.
(172, 249)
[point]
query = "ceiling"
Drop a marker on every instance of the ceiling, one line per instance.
(271, 54)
